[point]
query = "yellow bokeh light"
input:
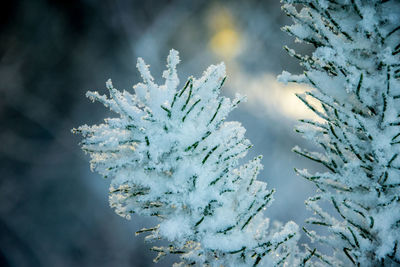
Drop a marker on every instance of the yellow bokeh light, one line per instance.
(225, 39)
(225, 43)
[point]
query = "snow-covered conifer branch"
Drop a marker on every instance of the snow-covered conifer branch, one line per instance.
(171, 154)
(355, 71)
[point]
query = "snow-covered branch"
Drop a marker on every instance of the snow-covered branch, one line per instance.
(355, 70)
(171, 154)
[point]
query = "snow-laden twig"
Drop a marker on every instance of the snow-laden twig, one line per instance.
(171, 154)
(355, 72)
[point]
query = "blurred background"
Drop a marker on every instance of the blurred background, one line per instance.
(53, 210)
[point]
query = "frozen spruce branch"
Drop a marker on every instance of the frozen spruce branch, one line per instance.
(170, 154)
(355, 73)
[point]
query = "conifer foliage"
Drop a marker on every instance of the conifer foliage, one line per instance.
(171, 154)
(355, 73)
